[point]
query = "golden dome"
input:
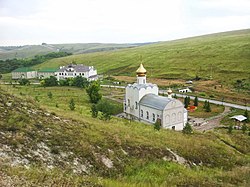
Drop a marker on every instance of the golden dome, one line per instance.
(169, 91)
(141, 71)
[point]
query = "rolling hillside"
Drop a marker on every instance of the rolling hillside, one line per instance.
(46, 144)
(223, 56)
(32, 50)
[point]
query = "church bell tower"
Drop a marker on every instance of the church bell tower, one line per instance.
(141, 75)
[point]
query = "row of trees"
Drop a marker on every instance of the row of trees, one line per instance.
(187, 101)
(78, 81)
(6, 66)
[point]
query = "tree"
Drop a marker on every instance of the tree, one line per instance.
(24, 82)
(247, 116)
(187, 129)
(205, 104)
(186, 102)
(93, 92)
(1, 76)
(196, 102)
(72, 104)
(230, 129)
(80, 82)
(51, 81)
(94, 111)
(157, 125)
(244, 128)
(208, 108)
(50, 95)
(106, 108)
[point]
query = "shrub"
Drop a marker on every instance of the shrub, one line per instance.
(72, 104)
(157, 125)
(93, 92)
(49, 95)
(24, 82)
(94, 111)
(196, 102)
(230, 129)
(187, 129)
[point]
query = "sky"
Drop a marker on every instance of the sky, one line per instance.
(25, 22)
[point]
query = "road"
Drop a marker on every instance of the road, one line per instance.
(192, 97)
(182, 95)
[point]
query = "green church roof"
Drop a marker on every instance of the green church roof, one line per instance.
(24, 69)
(47, 70)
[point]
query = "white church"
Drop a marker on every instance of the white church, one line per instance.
(143, 103)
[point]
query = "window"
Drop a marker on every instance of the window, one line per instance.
(147, 115)
(59, 73)
(153, 117)
(128, 102)
(136, 105)
(80, 73)
(142, 113)
(75, 74)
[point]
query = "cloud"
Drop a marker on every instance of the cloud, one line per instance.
(61, 21)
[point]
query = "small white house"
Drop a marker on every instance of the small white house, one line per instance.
(185, 90)
(73, 70)
(24, 73)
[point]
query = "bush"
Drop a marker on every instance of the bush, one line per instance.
(24, 82)
(187, 129)
(106, 108)
(230, 129)
(51, 81)
(72, 104)
(94, 111)
(157, 125)
(93, 92)
(50, 95)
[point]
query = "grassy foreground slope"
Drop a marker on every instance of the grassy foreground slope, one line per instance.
(225, 56)
(42, 143)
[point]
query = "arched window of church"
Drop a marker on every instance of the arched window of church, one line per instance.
(147, 115)
(136, 105)
(128, 102)
(142, 113)
(153, 117)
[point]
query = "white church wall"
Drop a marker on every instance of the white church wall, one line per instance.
(149, 114)
(173, 115)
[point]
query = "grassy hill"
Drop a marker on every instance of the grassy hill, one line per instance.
(224, 56)
(43, 143)
(28, 51)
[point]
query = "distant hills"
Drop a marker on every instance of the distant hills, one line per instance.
(28, 51)
(222, 56)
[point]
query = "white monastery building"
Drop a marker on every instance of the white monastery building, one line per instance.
(143, 103)
(73, 70)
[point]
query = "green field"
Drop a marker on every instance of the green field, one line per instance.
(224, 56)
(48, 134)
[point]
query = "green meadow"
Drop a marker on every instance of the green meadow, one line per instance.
(139, 154)
(223, 57)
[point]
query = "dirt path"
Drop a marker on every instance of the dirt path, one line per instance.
(210, 123)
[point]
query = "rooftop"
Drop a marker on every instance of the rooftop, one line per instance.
(47, 70)
(75, 67)
(23, 69)
(155, 101)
